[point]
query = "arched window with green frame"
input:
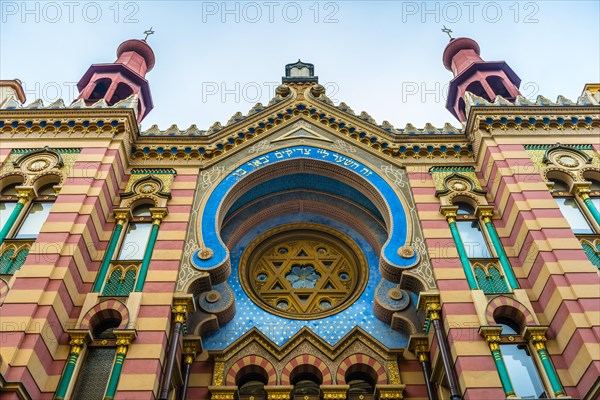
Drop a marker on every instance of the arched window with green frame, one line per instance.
(120, 282)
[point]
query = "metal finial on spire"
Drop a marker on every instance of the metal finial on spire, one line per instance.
(445, 30)
(148, 33)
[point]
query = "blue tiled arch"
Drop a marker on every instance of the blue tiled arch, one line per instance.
(396, 211)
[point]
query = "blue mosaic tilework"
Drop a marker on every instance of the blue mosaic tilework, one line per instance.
(280, 329)
(307, 182)
(209, 225)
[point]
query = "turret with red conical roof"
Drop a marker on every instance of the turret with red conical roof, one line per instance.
(119, 80)
(486, 79)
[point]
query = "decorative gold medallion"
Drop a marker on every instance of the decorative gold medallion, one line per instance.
(567, 161)
(38, 164)
(303, 271)
(149, 187)
(406, 252)
(458, 186)
(205, 254)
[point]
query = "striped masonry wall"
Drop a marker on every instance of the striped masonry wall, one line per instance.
(476, 371)
(548, 260)
(47, 292)
(411, 374)
(143, 364)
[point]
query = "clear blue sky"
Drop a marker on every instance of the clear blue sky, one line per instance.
(216, 58)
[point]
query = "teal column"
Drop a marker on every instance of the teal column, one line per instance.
(537, 337)
(590, 205)
(503, 372)
(78, 339)
(492, 337)
(110, 251)
(123, 341)
(462, 253)
(12, 218)
(551, 372)
(157, 217)
(508, 272)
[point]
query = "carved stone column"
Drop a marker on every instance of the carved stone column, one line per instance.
(430, 303)
(419, 344)
(182, 306)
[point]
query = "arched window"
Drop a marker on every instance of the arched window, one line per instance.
(560, 187)
(38, 213)
(490, 281)
(497, 281)
(306, 386)
(497, 85)
(509, 327)
(477, 89)
(464, 208)
(569, 207)
(122, 92)
(100, 89)
(360, 384)
(120, 283)
(252, 385)
(98, 362)
(138, 233)
(13, 258)
(595, 187)
(521, 367)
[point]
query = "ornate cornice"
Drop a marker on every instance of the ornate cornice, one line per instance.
(66, 122)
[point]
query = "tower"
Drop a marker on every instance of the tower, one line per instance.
(486, 79)
(119, 80)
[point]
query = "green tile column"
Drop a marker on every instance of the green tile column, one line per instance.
(79, 337)
(157, 216)
(491, 334)
(124, 339)
(583, 191)
(25, 195)
(536, 335)
(485, 214)
(122, 215)
(450, 213)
